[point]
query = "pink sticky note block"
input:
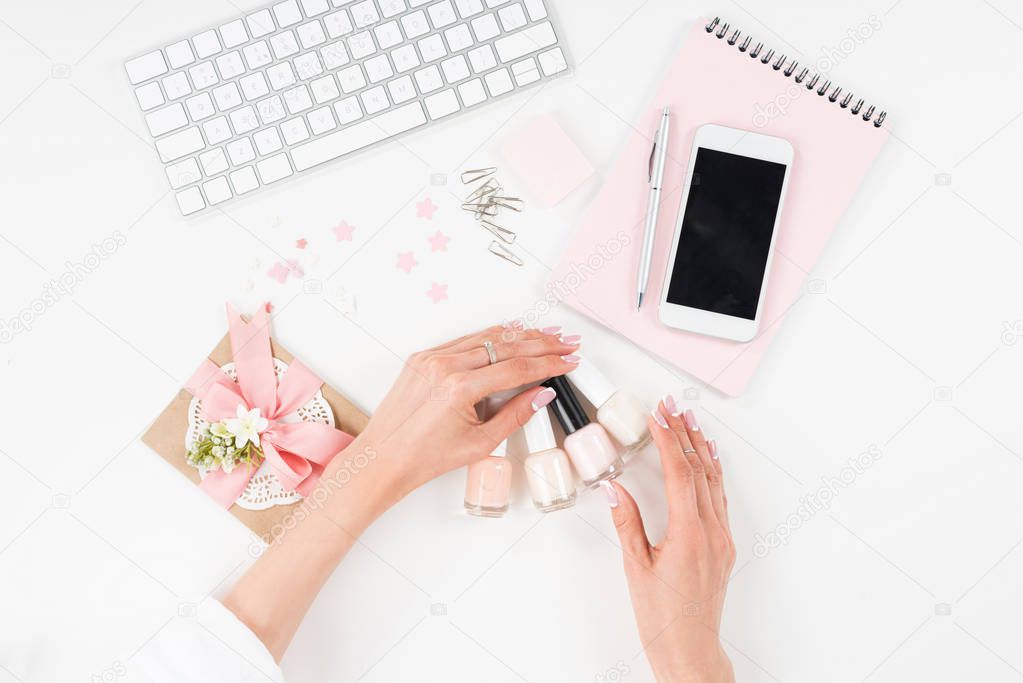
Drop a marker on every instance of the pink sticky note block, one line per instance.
(546, 160)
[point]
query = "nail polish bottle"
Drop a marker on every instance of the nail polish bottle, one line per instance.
(548, 469)
(620, 412)
(488, 482)
(591, 450)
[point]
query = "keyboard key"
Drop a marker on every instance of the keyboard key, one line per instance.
(388, 35)
(405, 58)
(351, 79)
(375, 100)
(524, 42)
(472, 92)
(455, 69)
(495, 3)
(485, 27)
(180, 144)
(432, 48)
(308, 66)
(324, 89)
(358, 135)
(364, 14)
(415, 24)
(243, 120)
(227, 96)
(536, 10)
(468, 8)
(442, 14)
(314, 7)
(429, 79)
(230, 65)
(271, 109)
(145, 67)
(254, 86)
(442, 104)
(311, 34)
(284, 44)
(361, 45)
(321, 120)
(482, 59)
(337, 24)
(214, 161)
(260, 23)
(294, 130)
(233, 34)
(190, 201)
(348, 110)
(241, 151)
(206, 44)
(280, 75)
(334, 55)
(200, 106)
(267, 141)
(401, 89)
(273, 169)
(553, 61)
(217, 130)
(287, 13)
(244, 180)
(217, 190)
(176, 85)
(297, 99)
(257, 54)
(149, 96)
(392, 8)
(183, 173)
(513, 17)
(458, 37)
(179, 54)
(378, 68)
(203, 75)
(499, 82)
(526, 71)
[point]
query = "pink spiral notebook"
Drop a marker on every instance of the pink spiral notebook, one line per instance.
(721, 76)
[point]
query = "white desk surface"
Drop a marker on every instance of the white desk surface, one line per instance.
(906, 342)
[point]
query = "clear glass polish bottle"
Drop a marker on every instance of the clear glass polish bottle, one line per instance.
(591, 450)
(618, 411)
(548, 470)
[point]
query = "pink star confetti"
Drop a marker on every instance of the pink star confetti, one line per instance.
(426, 209)
(406, 261)
(438, 241)
(301, 243)
(437, 292)
(282, 269)
(343, 231)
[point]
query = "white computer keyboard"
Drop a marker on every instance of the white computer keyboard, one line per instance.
(303, 82)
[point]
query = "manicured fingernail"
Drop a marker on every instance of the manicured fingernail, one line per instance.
(712, 446)
(571, 359)
(551, 330)
(659, 418)
(669, 403)
(512, 325)
(691, 421)
(610, 492)
(572, 339)
(543, 398)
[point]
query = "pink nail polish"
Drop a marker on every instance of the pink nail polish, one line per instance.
(488, 482)
(572, 339)
(590, 449)
(571, 359)
(712, 446)
(691, 421)
(656, 414)
(551, 330)
(543, 398)
(513, 325)
(611, 493)
(669, 403)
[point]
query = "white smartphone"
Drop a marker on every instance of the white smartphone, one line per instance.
(724, 238)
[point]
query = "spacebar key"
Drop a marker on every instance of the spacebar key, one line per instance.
(358, 136)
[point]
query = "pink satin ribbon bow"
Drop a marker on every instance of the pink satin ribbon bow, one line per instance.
(298, 451)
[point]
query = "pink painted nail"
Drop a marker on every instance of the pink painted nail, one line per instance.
(691, 421)
(659, 418)
(551, 330)
(669, 403)
(571, 359)
(712, 446)
(571, 339)
(543, 398)
(610, 492)
(512, 325)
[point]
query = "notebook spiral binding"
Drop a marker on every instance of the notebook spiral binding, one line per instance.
(811, 84)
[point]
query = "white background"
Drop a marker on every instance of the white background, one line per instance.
(906, 341)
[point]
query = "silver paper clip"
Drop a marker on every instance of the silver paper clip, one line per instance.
(498, 249)
(513, 203)
(476, 174)
(485, 209)
(503, 234)
(485, 190)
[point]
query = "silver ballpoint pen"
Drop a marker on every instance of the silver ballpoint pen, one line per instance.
(658, 157)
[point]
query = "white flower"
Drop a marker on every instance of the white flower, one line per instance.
(218, 451)
(228, 466)
(247, 426)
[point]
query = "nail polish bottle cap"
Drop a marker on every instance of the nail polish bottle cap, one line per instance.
(565, 406)
(592, 383)
(539, 432)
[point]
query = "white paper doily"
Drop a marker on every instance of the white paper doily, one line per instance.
(264, 490)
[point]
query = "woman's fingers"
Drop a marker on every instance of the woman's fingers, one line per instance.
(699, 441)
(544, 345)
(674, 419)
(678, 475)
(629, 525)
(715, 460)
(509, 374)
(513, 415)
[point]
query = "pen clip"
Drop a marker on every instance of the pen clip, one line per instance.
(650, 164)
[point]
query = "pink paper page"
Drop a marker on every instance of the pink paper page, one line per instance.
(711, 81)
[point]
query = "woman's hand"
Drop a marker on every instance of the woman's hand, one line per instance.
(678, 586)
